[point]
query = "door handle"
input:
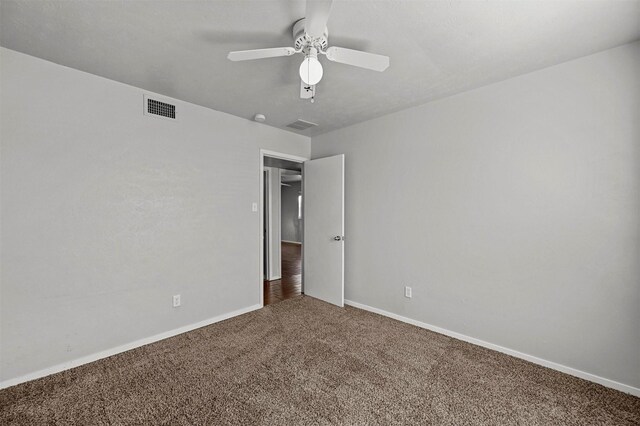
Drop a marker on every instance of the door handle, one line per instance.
(338, 238)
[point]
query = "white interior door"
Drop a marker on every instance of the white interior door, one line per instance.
(324, 229)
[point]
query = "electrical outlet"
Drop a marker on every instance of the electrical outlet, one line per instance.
(407, 292)
(176, 300)
(254, 207)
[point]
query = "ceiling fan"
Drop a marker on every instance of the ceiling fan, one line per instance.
(310, 37)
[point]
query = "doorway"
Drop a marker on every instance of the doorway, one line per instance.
(282, 227)
(316, 268)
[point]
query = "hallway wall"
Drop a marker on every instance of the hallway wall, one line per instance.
(291, 225)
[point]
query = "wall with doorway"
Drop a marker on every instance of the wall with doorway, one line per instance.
(512, 210)
(291, 228)
(107, 213)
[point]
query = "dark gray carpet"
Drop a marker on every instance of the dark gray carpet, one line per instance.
(303, 362)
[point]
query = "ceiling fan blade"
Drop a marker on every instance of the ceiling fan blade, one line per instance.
(357, 58)
(246, 55)
(316, 17)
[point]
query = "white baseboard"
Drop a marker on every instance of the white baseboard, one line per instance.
(291, 242)
(555, 366)
(122, 348)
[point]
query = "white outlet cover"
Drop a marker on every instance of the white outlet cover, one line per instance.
(407, 292)
(176, 300)
(254, 207)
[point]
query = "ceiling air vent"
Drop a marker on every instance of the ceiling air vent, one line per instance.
(301, 125)
(158, 108)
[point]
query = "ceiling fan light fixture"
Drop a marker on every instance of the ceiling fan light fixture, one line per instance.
(311, 68)
(310, 37)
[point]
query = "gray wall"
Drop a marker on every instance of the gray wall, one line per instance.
(291, 225)
(107, 213)
(512, 210)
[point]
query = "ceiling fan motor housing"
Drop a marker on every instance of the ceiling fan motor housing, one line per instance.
(303, 41)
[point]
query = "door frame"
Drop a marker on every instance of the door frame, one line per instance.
(270, 175)
(282, 156)
(266, 238)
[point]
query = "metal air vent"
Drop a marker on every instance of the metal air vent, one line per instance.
(157, 108)
(301, 125)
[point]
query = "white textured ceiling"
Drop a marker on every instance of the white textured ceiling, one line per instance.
(437, 48)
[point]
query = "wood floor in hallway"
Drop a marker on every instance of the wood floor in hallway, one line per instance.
(290, 285)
